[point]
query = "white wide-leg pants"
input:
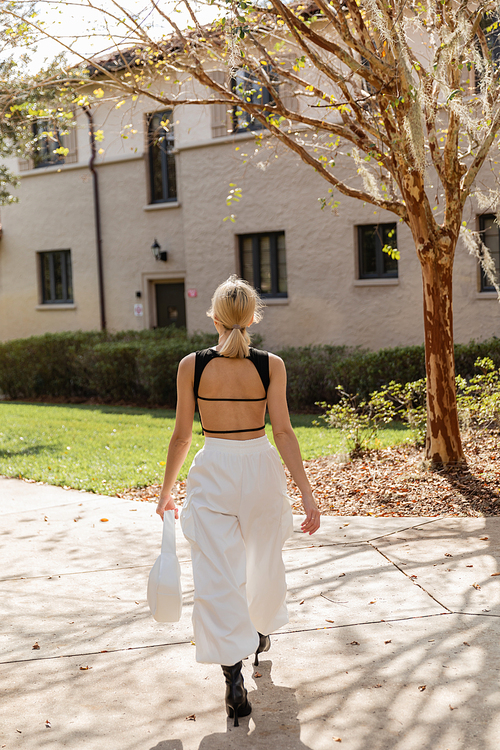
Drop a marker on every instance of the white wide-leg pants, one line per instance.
(236, 517)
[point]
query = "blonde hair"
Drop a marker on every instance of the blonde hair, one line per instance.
(235, 303)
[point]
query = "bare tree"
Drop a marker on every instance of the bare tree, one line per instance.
(406, 89)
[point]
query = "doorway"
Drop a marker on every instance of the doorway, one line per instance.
(170, 305)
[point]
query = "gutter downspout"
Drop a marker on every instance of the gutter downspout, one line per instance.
(97, 218)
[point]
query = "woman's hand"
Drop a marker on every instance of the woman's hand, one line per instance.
(312, 519)
(166, 502)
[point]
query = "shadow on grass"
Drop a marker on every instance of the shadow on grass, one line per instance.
(32, 450)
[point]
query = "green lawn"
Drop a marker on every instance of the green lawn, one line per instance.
(110, 448)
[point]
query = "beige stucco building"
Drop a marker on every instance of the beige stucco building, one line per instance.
(324, 278)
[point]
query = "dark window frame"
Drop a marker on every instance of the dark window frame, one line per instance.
(493, 43)
(255, 237)
(167, 163)
(66, 277)
(245, 122)
(381, 258)
(484, 286)
(45, 145)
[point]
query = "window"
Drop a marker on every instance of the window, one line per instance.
(368, 87)
(373, 262)
(47, 141)
(56, 276)
(490, 237)
(491, 27)
(263, 262)
(161, 158)
(250, 90)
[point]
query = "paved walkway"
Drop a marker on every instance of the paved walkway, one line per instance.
(393, 640)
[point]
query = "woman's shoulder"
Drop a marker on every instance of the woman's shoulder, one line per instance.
(188, 361)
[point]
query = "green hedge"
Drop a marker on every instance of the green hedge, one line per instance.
(135, 367)
(139, 367)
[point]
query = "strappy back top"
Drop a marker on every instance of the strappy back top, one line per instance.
(259, 359)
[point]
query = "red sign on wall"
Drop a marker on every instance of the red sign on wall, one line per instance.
(192, 292)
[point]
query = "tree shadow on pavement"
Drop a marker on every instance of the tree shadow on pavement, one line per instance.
(274, 716)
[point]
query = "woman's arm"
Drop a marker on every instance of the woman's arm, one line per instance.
(286, 441)
(180, 441)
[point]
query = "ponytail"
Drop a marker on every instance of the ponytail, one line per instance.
(235, 305)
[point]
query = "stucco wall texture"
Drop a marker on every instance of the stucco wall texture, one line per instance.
(327, 303)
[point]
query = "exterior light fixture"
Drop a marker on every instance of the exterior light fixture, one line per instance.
(158, 253)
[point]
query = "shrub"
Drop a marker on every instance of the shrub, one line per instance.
(359, 421)
(140, 367)
(308, 374)
(134, 366)
(478, 398)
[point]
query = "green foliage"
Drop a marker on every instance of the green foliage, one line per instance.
(408, 403)
(359, 421)
(315, 371)
(140, 367)
(134, 366)
(478, 399)
(309, 374)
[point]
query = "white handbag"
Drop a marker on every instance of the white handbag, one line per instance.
(164, 583)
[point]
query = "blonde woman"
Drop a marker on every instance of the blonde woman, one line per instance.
(236, 515)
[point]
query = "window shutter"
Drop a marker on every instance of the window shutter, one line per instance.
(69, 141)
(25, 164)
(220, 118)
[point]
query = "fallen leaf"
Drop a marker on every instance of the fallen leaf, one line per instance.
(495, 574)
(413, 577)
(104, 520)
(469, 566)
(387, 641)
(18, 730)
(104, 651)
(329, 620)
(373, 602)
(191, 717)
(447, 554)
(134, 602)
(422, 688)
(337, 739)
(84, 668)
(340, 576)
(466, 644)
(452, 708)
(476, 586)
(257, 674)
(484, 538)
(377, 686)
(302, 602)
(354, 643)
(36, 647)
(48, 724)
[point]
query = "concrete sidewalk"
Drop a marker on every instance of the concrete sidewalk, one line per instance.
(393, 640)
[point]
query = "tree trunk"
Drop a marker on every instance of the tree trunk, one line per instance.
(443, 444)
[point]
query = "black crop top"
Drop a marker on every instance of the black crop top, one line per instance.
(258, 358)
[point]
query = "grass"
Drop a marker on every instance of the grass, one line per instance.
(107, 449)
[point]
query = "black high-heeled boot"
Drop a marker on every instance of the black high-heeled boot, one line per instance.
(264, 645)
(237, 703)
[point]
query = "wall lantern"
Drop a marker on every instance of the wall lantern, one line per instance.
(158, 253)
